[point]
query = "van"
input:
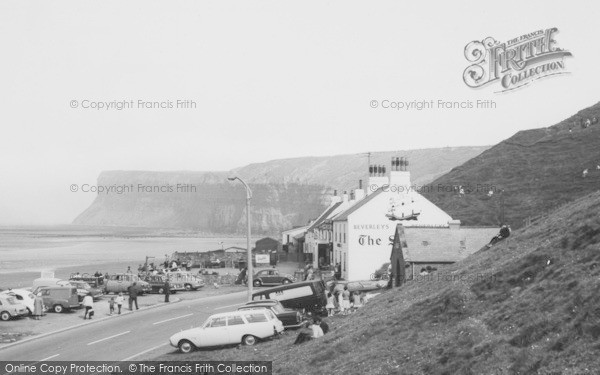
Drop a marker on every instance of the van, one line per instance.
(59, 298)
(308, 295)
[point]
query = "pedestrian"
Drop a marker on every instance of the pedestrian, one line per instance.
(88, 304)
(167, 289)
(316, 329)
(129, 270)
(133, 294)
(340, 299)
(111, 306)
(330, 304)
(119, 301)
(358, 300)
(338, 271)
(324, 326)
(310, 273)
(345, 301)
(38, 307)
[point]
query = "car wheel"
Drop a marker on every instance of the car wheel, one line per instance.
(188, 287)
(161, 291)
(257, 283)
(4, 316)
(286, 281)
(58, 308)
(186, 346)
(249, 340)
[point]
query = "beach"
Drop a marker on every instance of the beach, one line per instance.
(26, 252)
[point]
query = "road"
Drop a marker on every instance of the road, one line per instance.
(127, 337)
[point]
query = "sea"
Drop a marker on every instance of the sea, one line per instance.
(27, 252)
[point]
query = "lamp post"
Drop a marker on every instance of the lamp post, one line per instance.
(248, 249)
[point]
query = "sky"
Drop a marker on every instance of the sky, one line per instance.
(270, 80)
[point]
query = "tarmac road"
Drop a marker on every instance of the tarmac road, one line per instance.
(127, 337)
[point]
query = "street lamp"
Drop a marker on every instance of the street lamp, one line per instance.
(248, 249)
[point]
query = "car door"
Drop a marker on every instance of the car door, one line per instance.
(236, 327)
(270, 277)
(215, 332)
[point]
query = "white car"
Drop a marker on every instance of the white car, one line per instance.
(22, 296)
(235, 327)
(10, 308)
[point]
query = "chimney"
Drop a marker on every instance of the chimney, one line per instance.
(377, 178)
(454, 224)
(345, 196)
(399, 176)
(335, 197)
(359, 193)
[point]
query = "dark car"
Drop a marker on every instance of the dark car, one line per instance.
(83, 289)
(307, 295)
(271, 276)
(157, 283)
(289, 317)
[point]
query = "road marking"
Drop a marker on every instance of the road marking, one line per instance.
(224, 307)
(168, 320)
(144, 352)
(45, 359)
(110, 337)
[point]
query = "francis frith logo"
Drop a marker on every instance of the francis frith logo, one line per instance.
(514, 63)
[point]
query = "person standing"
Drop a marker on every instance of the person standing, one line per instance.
(38, 307)
(119, 301)
(345, 301)
(167, 289)
(88, 304)
(111, 306)
(133, 294)
(330, 304)
(338, 271)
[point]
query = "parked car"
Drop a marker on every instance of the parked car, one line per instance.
(157, 284)
(189, 281)
(307, 295)
(289, 317)
(83, 289)
(236, 327)
(120, 282)
(271, 276)
(59, 298)
(10, 308)
(94, 281)
(22, 296)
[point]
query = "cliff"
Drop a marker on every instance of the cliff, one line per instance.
(286, 193)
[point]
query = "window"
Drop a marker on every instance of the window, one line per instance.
(218, 322)
(255, 318)
(235, 320)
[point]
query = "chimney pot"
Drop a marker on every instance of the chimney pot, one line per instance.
(360, 184)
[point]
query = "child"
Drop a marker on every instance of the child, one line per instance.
(111, 305)
(330, 304)
(119, 300)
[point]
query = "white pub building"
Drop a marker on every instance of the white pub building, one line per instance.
(363, 233)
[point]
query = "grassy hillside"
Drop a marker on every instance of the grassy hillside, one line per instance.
(528, 305)
(538, 170)
(342, 172)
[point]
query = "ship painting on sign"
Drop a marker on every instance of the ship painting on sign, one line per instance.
(397, 210)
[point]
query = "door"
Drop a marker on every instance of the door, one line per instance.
(215, 332)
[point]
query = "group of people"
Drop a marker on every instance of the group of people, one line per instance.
(316, 329)
(344, 302)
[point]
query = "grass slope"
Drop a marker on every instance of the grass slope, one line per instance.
(538, 169)
(528, 305)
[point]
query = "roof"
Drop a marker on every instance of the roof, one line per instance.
(323, 216)
(344, 215)
(440, 245)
